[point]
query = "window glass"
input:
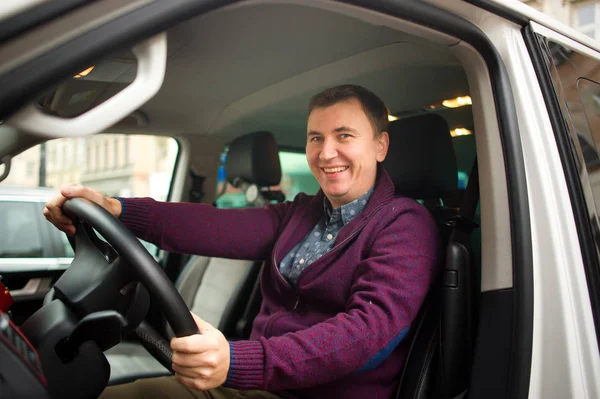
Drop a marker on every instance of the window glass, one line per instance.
(586, 120)
(464, 148)
(21, 233)
(67, 249)
(295, 178)
(114, 164)
(575, 77)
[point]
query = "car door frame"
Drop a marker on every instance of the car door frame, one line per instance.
(516, 303)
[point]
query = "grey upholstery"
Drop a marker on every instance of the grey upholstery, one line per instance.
(221, 278)
(190, 278)
(130, 358)
(209, 286)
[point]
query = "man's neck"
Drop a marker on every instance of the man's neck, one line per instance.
(348, 210)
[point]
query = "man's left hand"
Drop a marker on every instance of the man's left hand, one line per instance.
(201, 361)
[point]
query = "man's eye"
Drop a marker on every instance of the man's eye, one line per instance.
(314, 139)
(344, 136)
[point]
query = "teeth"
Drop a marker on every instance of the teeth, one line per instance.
(333, 170)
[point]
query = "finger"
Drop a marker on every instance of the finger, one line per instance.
(69, 230)
(202, 325)
(56, 202)
(206, 359)
(190, 372)
(76, 190)
(195, 383)
(55, 216)
(72, 190)
(196, 343)
(54, 206)
(183, 359)
(66, 228)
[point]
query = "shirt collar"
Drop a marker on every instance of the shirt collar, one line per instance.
(348, 211)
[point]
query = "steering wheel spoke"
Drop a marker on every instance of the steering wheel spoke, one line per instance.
(108, 270)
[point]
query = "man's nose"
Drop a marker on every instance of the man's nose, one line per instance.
(328, 151)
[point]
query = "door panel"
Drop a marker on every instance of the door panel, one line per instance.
(29, 262)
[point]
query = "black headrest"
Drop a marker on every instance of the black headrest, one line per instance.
(421, 160)
(254, 158)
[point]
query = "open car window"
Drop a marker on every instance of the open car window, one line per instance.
(114, 164)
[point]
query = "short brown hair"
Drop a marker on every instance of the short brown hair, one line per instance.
(372, 105)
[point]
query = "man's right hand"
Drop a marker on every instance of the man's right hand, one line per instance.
(53, 210)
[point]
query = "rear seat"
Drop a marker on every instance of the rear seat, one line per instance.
(213, 288)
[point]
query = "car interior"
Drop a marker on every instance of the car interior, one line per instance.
(233, 87)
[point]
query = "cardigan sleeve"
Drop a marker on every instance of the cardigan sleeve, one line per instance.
(202, 229)
(388, 289)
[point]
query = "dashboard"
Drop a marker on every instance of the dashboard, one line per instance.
(21, 374)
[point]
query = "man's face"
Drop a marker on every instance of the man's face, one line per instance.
(343, 152)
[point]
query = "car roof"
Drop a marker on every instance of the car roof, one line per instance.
(228, 74)
(17, 193)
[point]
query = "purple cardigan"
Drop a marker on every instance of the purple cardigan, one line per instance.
(339, 332)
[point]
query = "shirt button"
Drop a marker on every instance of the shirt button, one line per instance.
(329, 236)
(301, 261)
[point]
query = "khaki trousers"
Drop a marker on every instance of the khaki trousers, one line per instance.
(169, 388)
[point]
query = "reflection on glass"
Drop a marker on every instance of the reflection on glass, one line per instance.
(575, 77)
(22, 235)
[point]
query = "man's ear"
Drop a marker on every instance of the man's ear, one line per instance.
(383, 144)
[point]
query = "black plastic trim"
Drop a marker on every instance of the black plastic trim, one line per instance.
(489, 379)
(522, 256)
(22, 84)
(500, 10)
(587, 243)
(37, 15)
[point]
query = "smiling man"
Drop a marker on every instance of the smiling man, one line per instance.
(345, 274)
(345, 143)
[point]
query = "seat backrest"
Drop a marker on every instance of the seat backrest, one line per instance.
(216, 288)
(422, 164)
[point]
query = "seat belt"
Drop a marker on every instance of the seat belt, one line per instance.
(464, 226)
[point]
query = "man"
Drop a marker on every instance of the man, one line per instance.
(346, 270)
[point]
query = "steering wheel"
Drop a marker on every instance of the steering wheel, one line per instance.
(93, 299)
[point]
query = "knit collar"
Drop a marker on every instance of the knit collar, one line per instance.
(348, 211)
(304, 221)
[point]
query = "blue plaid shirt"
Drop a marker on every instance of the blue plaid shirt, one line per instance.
(322, 237)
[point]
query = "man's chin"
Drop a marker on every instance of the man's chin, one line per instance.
(335, 195)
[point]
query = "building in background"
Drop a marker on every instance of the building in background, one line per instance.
(114, 164)
(584, 16)
(24, 169)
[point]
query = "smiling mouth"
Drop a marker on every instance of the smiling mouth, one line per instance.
(335, 170)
